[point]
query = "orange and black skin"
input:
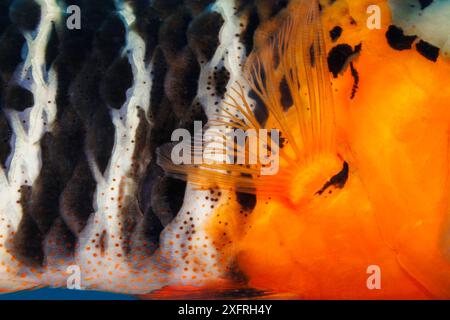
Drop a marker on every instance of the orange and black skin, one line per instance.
(364, 172)
(364, 118)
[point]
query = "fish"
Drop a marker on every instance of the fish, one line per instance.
(346, 196)
(347, 125)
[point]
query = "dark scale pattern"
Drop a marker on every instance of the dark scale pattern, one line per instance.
(4, 14)
(117, 80)
(134, 220)
(95, 113)
(27, 244)
(173, 33)
(257, 15)
(11, 43)
(147, 25)
(203, 43)
(5, 136)
(76, 198)
(183, 45)
(197, 6)
(24, 249)
(65, 176)
(61, 154)
(166, 7)
(18, 98)
(181, 81)
(93, 79)
(25, 14)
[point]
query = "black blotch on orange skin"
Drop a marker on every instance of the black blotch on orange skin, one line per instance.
(338, 57)
(286, 96)
(335, 33)
(246, 200)
(397, 39)
(338, 181)
(355, 76)
(260, 111)
(428, 50)
(312, 56)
